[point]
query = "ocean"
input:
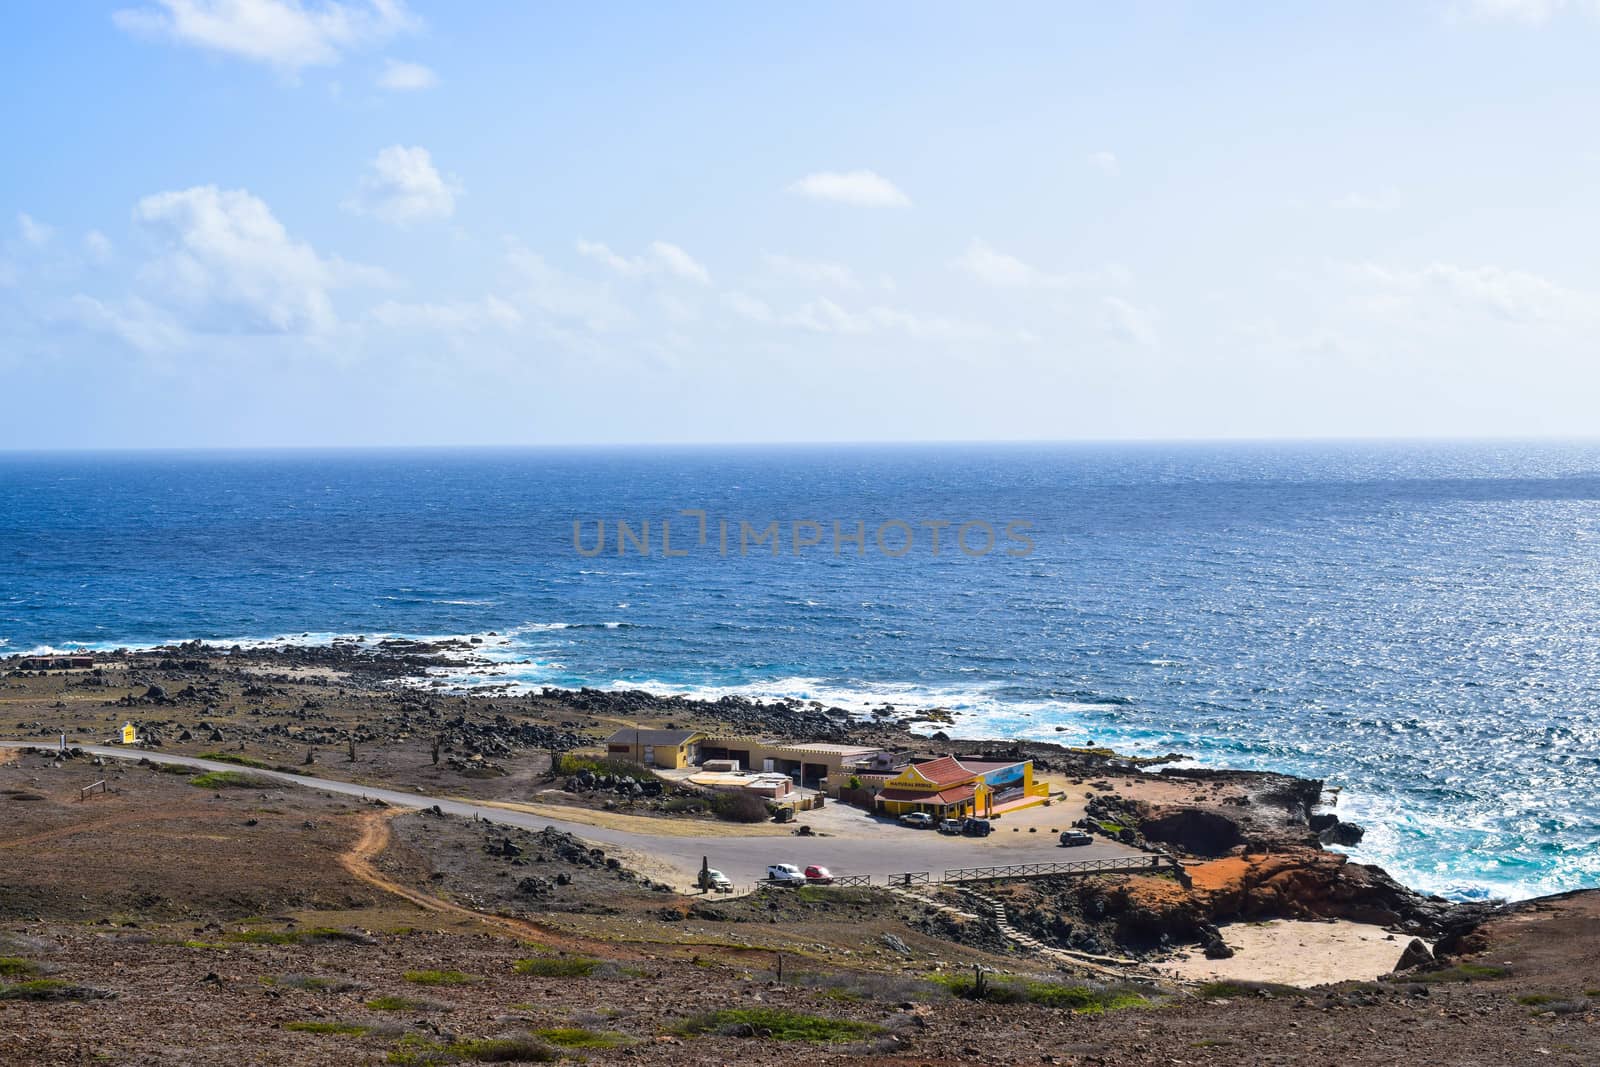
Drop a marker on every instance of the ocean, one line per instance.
(1418, 624)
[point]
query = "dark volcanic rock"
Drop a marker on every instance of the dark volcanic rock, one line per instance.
(1195, 830)
(1342, 833)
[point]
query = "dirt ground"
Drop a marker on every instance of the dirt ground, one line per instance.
(208, 924)
(165, 922)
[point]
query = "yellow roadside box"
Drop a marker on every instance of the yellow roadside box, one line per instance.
(129, 734)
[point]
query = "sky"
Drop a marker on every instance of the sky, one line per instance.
(243, 223)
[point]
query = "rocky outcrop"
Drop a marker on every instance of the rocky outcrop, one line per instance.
(1306, 883)
(1193, 830)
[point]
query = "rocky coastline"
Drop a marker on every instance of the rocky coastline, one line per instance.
(1262, 838)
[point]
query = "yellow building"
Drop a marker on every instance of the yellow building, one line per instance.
(671, 749)
(950, 788)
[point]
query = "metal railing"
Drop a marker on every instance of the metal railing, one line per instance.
(1118, 865)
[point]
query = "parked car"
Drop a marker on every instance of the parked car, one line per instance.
(1071, 838)
(819, 875)
(785, 874)
(950, 826)
(977, 828)
(715, 881)
(919, 819)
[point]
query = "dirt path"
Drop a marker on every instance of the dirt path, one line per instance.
(360, 861)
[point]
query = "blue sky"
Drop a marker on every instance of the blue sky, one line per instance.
(270, 222)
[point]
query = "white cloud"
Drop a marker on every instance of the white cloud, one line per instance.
(1005, 271)
(34, 232)
(403, 187)
(136, 322)
(861, 188)
(659, 257)
(288, 34)
(825, 316)
(1525, 12)
(1106, 163)
(1511, 295)
(812, 271)
(98, 245)
(406, 77)
(1130, 322)
(230, 265)
(679, 262)
(467, 316)
(748, 307)
(561, 297)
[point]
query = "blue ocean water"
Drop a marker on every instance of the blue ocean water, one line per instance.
(1417, 623)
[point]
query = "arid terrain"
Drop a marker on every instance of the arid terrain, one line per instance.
(184, 915)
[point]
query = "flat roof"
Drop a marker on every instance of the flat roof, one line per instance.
(630, 736)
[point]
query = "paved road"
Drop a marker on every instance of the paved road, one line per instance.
(856, 843)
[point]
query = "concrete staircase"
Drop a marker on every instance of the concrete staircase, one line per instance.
(985, 908)
(994, 909)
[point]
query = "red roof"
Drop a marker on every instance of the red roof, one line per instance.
(943, 771)
(945, 798)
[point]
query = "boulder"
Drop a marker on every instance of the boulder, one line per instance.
(1415, 955)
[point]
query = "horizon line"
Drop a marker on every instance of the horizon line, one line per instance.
(1392, 439)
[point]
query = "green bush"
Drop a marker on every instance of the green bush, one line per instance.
(741, 807)
(438, 977)
(577, 1037)
(1462, 972)
(1080, 999)
(323, 1027)
(16, 967)
(414, 1050)
(777, 1023)
(393, 1003)
(229, 780)
(557, 966)
(575, 764)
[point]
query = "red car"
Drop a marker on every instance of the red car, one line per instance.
(819, 875)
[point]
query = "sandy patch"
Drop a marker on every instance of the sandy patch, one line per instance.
(297, 672)
(1297, 953)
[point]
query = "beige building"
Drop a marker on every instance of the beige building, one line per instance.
(668, 749)
(809, 764)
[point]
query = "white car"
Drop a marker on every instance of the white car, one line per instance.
(785, 874)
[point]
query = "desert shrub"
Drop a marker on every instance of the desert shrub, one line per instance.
(414, 1050)
(580, 1037)
(312, 983)
(394, 1003)
(16, 967)
(322, 1026)
(557, 966)
(1083, 999)
(47, 989)
(777, 1023)
(1462, 972)
(601, 765)
(741, 807)
(229, 780)
(438, 977)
